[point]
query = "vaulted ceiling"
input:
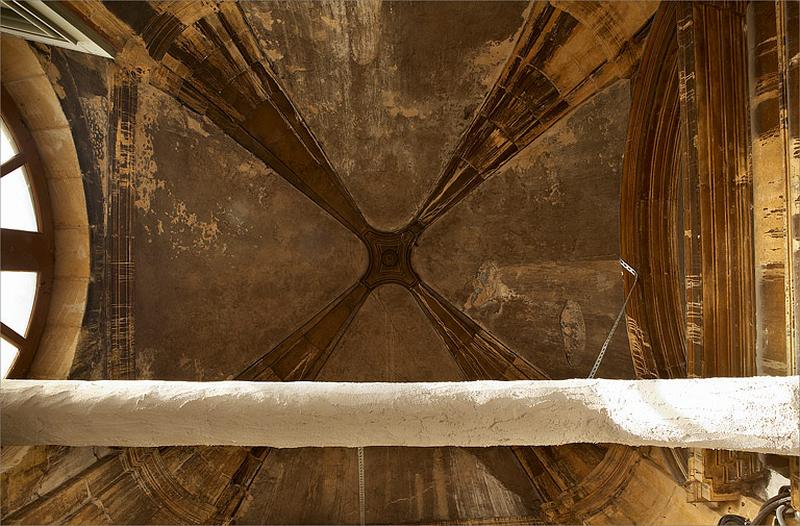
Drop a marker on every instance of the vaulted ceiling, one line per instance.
(401, 191)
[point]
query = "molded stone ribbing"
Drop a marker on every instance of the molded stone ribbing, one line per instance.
(750, 414)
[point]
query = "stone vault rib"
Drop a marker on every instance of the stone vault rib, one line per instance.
(207, 57)
(551, 470)
(566, 53)
(756, 414)
(477, 352)
(299, 357)
(302, 355)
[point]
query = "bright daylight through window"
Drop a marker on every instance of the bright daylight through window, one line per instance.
(18, 216)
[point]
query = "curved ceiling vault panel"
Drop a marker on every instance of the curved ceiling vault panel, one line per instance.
(387, 87)
(304, 486)
(468, 483)
(390, 340)
(566, 53)
(651, 207)
(207, 57)
(229, 257)
(532, 253)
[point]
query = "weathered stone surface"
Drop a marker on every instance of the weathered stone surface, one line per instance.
(519, 248)
(470, 483)
(773, 53)
(387, 87)
(325, 480)
(389, 91)
(390, 340)
(229, 257)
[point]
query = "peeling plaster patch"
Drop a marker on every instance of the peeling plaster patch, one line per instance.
(573, 329)
(152, 112)
(332, 23)
(253, 172)
(55, 79)
(320, 36)
(488, 289)
(97, 110)
(274, 55)
(300, 69)
(266, 19)
(145, 182)
(366, 37)
(395, 109)
(205, 232)
(561, 135)
(489, 61)
(196, 126)
(146, 185)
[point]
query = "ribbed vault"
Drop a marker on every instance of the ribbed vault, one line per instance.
(354, 192)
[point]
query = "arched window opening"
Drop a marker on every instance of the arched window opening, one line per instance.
(27, 244)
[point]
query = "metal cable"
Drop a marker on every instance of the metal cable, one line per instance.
(362, 507)
(604, 348)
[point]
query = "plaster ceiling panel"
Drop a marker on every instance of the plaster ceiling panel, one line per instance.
(532, 253)
(390, 340)
(387, 87)
(230, 259)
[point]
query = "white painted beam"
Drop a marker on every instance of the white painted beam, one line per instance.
(750, 414)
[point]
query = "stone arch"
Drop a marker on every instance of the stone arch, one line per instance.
(28, 85)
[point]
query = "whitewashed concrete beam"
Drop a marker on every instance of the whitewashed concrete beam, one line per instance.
(751, 414)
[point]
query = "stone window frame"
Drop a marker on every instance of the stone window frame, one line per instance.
(24, 79)
(23, 250)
